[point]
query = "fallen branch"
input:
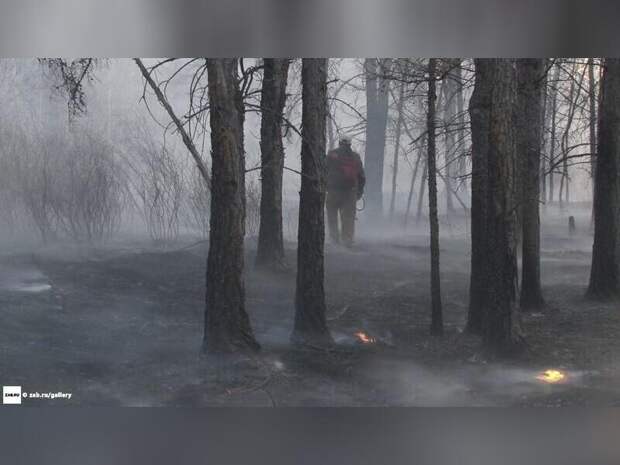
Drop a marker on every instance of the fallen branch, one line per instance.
(184, 135)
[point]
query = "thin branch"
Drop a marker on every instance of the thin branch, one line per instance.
(185, 136)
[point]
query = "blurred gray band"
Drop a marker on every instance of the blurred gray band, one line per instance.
(122, 28)
(308, 436)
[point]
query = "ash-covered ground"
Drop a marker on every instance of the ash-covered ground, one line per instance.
(122, 325)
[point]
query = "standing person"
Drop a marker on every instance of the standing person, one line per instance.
(345, 186)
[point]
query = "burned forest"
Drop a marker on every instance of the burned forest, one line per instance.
(311, 231)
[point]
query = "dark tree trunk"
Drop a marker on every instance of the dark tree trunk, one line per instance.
(460, 104)
(530, 75)
(573, 96)
(501, 330)
(233, 70)
(227, 325)
(494, 264)
(543, 143)
(270, 252)
(436, 312)
(424, 177)
(310, 321)
(399, 121)
(592, 129)
(449, 113)
(376, 122)
(554, 124)
(604, 273)
(592, 111)
(414, 176)
(479, 111)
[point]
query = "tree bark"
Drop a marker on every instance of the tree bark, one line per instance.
(436, 311)
(592, 129)
(270, 252)
(543, 143)
(554, 123)
(460, 104)
(501, 329)
(424, 177)
(604, 273)
(449, 110)
(494, 264)
(376, 123)
(233, 70)
(399, 121)
(480, 114)
(592, 121)
(414, 176)
(310, 320)
(227, 325)
(530, 76)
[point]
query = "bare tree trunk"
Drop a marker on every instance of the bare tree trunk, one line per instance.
(604, 274)
(414, 176)
(449, 110)
(436, 311)
(227, 325)
(233, 70)
(563, 149)
(270, 252)
(480, 115)
(553, 141)
(572, 108)
(376, 122)
(418, 215)
(501, 329)
(592, 109)
(543, 144)
(494, 265)
(399, 121)
(592, 128)
(460, 108)
(530, 75)
(331, 131)
(310, 321)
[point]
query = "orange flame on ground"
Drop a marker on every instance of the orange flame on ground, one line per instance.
(551, 376)
(365, 338)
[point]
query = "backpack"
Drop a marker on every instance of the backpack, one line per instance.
(349, 168)
(344, 169)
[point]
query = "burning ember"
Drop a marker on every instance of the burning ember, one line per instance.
(551, 376)
(365, 338)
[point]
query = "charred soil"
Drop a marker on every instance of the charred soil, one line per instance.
(123, 326)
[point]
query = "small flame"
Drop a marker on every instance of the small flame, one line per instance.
(551, 376)
(365, 338)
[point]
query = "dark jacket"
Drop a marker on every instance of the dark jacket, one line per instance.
(345, 170)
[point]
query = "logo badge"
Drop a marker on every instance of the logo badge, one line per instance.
(12, 395)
